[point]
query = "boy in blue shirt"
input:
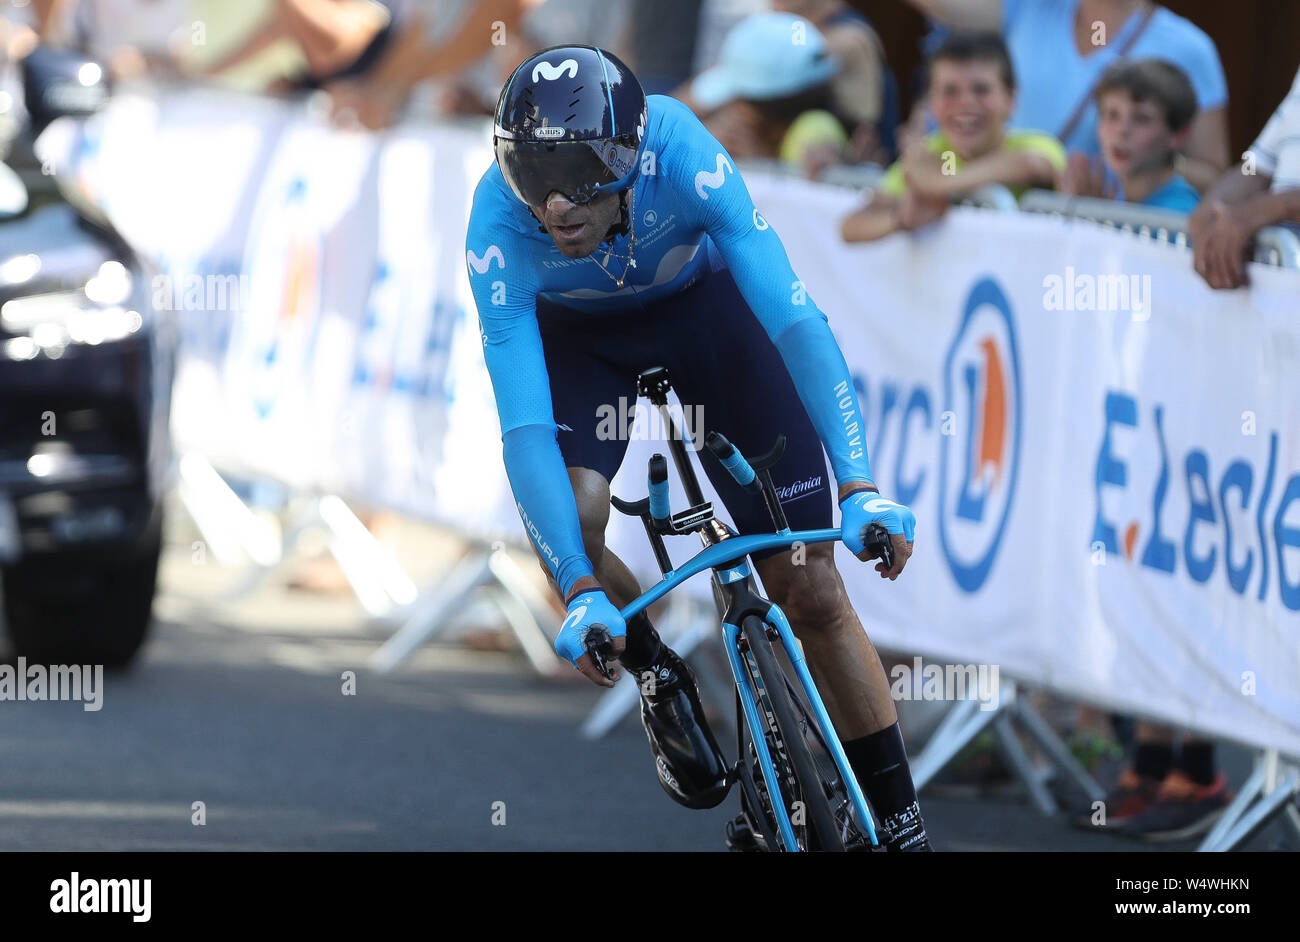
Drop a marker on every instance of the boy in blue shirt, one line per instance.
(1144, 115)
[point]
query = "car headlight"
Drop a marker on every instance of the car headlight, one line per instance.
(96, 314)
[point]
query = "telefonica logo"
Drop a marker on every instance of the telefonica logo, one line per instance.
(799, 489)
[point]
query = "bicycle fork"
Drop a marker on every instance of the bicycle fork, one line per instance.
(775, 618)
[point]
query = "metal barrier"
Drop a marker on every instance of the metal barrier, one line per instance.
(855, 176)
(1273, 245)
(993, 196)
(769, 166)
(851, 176)
(866, 177)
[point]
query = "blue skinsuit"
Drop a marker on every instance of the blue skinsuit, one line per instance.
(703, 217)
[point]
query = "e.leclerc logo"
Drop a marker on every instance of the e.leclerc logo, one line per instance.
(1171, 504)
(978, 465)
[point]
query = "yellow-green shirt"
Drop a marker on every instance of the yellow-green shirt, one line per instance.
(1035, 142)
(810, 129)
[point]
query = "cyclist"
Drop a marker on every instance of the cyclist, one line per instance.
(614, 233)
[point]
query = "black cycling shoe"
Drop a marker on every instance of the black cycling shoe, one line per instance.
(741, 838)
(691, 767)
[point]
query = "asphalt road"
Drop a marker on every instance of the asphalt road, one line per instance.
(241, 707)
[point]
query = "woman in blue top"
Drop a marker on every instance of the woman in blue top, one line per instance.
(1061, 48)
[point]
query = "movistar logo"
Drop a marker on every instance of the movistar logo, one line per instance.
(481, 265)
(712, 180)
(551, 73)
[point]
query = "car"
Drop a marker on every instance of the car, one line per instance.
(86, 367)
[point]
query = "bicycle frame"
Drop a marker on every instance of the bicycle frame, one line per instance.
(732, 574)
(727, 555)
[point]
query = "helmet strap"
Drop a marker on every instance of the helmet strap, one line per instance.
(622, 224)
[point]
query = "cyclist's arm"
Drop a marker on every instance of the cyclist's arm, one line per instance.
(758, 262)
(512, 348)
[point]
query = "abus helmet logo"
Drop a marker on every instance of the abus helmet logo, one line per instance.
(551, 73)
(978, 465)
(548, 132)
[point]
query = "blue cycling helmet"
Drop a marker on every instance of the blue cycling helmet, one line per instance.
(572, 119)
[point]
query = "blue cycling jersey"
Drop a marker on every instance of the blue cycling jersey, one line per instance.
(691, 213)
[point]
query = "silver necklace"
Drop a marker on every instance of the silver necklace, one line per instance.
(628, 261)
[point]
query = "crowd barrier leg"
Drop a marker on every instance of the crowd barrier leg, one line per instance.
(376, 578)
(1023, 766)
(431, 613)
(482, 569)
(230, 530)
(1047, 740)
(518, 597)
(966, 720)
(963, 723)
(1271, 791)
(236, 536)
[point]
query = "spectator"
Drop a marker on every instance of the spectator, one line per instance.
(452, 57)
(604, 23)
(716, 21)
(130, 37)
(766, 96)
(370, 56)
(1145, 113)
(660, 42)
(1167, 793)
(864, 95)
(1062, 47)
(972, 92)
(1263, 191)
(337, 38)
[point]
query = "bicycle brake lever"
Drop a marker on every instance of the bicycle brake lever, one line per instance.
(876, 541)
(598, 644)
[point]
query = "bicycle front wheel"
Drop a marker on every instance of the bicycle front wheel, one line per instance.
(789, 733)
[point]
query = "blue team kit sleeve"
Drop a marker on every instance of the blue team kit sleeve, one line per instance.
(706, 179)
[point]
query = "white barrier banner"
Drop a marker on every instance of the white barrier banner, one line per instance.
(1103, 455)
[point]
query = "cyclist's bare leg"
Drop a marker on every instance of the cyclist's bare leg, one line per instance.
(591, 491)
(843, 662)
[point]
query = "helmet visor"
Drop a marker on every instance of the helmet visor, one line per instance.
(579, 170)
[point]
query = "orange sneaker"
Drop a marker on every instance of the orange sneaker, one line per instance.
(1130, 796)
(1182, 809)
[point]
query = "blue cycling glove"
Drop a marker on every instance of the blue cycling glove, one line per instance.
(587, 609)
(862, 508)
